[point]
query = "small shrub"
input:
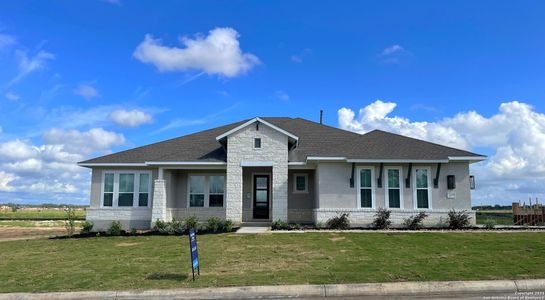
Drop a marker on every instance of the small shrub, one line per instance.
(489, 223)
(339, 222)
(86, 227)
(382, 219)
(319, 225)
(114, 229)
(227, 226)
(214, 224)
(177, 227)
(280, 225)
(192, 222)
(415, 222)
(70, 222)
(296, 226)
(133, 231)
(458, 219)
(161, 227)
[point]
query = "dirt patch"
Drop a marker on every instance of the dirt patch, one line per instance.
(337, 238)
(11, 233)
(127, 244)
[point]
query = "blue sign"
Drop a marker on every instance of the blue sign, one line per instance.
(194, 253)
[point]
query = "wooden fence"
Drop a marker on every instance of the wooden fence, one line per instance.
(533, 214)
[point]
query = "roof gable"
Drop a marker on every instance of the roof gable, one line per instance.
(252, 121)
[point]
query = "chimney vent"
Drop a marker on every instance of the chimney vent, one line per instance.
(321, 116)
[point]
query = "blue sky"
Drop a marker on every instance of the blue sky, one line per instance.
(80, 71)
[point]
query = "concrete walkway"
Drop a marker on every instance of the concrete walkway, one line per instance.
(515, 289)
(253, 229)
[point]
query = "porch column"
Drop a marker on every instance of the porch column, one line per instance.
(280, 192)
(233, 202)
(159, 201)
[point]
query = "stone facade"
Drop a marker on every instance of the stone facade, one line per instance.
(159, 202)
(274, 150)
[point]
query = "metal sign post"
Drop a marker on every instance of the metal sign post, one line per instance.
(194, 253)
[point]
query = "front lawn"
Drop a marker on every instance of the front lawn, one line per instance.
(121, 263)
(42, 214)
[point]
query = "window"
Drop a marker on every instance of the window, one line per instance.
(108, 189)
(126, 188)
(394, 197)
(257, 143)
(206, 191)
(196, 191)
(365, 192)
(143, 190)
(300, 183)
(217, 187)
(422, 190)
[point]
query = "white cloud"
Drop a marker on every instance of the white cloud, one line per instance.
(5, 180)
(28, 170)
(12, 96)
(76, 141)
(282, 95)
(218, 53)
(7, 40)
(515, 136)
(394, 54)
(28, 65)
(392, 49)
(130, 118)
(17, 150)
(298, 58)
(86, 91)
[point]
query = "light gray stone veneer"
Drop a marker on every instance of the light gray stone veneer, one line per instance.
(274, 150)
(159, 202)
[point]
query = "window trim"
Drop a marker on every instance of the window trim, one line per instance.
(373, 187)
(415, 200)
(295, 190)
(387, 187)
(136, 190)
(206, 189)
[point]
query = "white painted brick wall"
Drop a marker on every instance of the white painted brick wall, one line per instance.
(159, 201)
(274, 148)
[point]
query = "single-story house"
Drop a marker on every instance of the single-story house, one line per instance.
(279, 168)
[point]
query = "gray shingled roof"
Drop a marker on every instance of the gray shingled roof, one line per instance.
(314, 140)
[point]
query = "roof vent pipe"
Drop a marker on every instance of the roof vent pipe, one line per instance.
(321, 116)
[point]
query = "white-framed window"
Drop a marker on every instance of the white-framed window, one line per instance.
(196, 191)
(422, 188)
(206, 190)
(366, 187)
(257, 143)
(394, 187)
(300, 183)
(125, 188)
(216, 190)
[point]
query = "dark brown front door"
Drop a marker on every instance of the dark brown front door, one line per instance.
(261, 196)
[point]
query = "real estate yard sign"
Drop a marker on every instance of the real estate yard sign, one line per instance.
(194, 253)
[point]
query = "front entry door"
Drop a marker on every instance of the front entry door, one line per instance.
(261, 196)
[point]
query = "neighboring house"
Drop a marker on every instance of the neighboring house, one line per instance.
(289, 169)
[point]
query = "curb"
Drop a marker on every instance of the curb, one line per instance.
(445, 288)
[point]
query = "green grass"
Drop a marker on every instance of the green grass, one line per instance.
(45, 214)
(108, 263)
(502, 217)
(26, 223)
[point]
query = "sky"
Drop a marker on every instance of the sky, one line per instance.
(79, 79)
